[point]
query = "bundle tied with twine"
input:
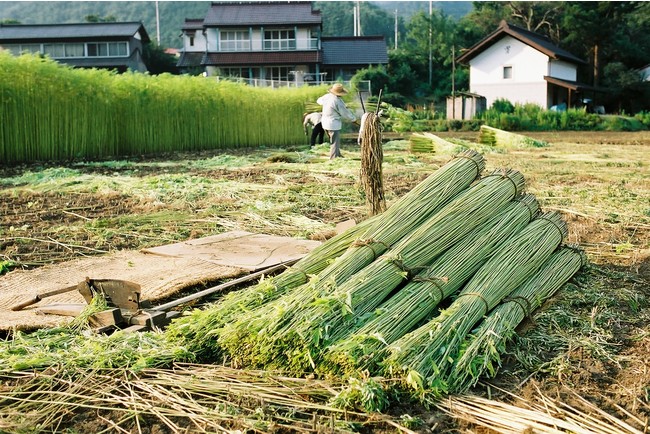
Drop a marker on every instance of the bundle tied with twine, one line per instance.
(372, 156)
(404, 216)
(426, 355)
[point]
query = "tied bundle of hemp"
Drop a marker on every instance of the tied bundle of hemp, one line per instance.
(427, 354)
(372, 156)
(248, 338)
(507, 140)
(313, 326)
(406, 214)
(482, 350)
(398, 315)
(430, 143)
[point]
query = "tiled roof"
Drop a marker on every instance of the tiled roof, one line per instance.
(19, 32)
(192, 24)
(262, 13)
(535, 40)
(262, 58)
(190, 59)
(573, 85)
(359, 50)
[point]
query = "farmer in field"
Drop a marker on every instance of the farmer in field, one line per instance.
(334, 112)
(317, 131)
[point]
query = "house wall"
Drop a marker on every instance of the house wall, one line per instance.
(529, 67)
(563, 70)
(199, 41)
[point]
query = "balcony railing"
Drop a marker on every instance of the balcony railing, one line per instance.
(362, 85)
(239, 46)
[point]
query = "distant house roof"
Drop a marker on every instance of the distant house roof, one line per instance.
(40, 32)
(573, 85)
(192, 24)
(354, 50)
(190, 59)
(535, 40)
(261, 58)
(262, 13)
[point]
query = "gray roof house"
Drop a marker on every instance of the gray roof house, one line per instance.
(273, 42)
(115, 45)
(344, 56)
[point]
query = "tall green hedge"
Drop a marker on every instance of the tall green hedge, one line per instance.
(53, 112)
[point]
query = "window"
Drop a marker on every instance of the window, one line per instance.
(234, 72)
(14, 48)
(191, 41)
(107, 49)
(54, 50)
(116, 49)
(234, 40)
(18, 49)
(278, 73)
(507, 72)
(275, 40)
(97, 50)
(74, 50)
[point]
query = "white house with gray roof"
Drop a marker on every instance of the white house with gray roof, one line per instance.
(522, 66)
(116, 45)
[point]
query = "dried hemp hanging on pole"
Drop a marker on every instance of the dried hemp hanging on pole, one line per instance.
(371, 161)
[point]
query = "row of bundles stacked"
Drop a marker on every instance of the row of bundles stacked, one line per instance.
(428, 292)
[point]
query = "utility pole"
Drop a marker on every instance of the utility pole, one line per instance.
(157, 23)
(430, 43)
(453, 81)
(358, 18)
(396, 29)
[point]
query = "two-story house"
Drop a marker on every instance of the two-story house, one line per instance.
(114, 45)
(273, 42)
(521, 66)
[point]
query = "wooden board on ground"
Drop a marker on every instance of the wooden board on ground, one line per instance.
(239, 249)
(162, 273)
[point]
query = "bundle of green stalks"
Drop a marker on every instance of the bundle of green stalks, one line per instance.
(507, 140)
(372, 156)
(199, 328)
(77, 345)
(425, 356)
(311, 327)
(481, 355)
(405, 215)
(430, 143)
(364, 349)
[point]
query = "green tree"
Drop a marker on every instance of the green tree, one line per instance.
(157, 61)
(428, 50)
(98, 19)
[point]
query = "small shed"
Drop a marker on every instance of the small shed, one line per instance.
(465, 105)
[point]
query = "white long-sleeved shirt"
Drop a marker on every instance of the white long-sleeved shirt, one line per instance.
(334, 110)
(312, 119)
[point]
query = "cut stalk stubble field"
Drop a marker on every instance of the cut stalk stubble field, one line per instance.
(601, 190)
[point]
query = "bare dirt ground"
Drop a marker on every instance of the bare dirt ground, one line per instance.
(41, 226)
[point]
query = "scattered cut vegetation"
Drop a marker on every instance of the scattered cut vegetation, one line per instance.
(587, 344)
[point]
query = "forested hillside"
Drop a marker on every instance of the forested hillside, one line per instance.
(377, 16)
